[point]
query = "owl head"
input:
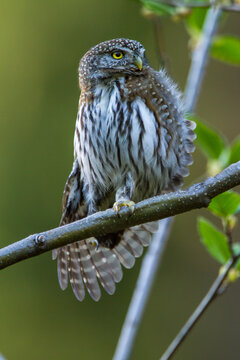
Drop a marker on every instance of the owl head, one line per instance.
(113, 58)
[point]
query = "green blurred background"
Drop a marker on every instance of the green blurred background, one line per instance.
(41, 44)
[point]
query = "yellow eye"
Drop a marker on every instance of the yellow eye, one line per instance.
(117, 55)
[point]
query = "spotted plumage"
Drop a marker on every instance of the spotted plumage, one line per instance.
(131, 142)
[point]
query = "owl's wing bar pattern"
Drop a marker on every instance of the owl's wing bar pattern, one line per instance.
(174, 128)
(71, 199)
(72, 196)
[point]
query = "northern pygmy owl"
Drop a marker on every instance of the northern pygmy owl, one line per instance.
(131, 142)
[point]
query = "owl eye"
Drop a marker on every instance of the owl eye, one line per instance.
(117, 55)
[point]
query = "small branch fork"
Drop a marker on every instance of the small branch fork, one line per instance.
(159, 207)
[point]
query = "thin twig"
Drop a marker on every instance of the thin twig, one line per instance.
(199, 58)
(228, 232)
(143, 288)
(130, 328)
(202, 307)
(103, 222)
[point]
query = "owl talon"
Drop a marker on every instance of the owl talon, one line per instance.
(94, 243)
(121, 203)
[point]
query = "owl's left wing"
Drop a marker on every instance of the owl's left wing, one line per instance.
(72, 209)
(72, 200)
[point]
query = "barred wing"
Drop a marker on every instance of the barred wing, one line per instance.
(175, 132)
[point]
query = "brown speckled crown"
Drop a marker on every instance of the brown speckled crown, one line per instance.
(111, 45)
(89, 62)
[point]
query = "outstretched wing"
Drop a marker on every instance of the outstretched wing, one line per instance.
(84, 265)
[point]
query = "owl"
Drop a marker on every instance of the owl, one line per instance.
(131, 142)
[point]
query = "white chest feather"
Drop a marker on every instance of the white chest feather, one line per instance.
(117, 137)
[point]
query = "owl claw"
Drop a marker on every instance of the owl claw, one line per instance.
(94, 243)
(121, 203)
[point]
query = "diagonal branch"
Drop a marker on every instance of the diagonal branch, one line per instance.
(159, 207)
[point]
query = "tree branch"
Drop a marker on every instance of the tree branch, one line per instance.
(159, 207)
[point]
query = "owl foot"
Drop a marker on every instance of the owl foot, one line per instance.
(121, 203)
(94, 243)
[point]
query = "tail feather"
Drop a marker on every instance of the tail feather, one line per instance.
(75, 276)
(88, 271)
(124, 255)
(131, 246)
(152, 226)
(63, 256)
(86, 265)
(114, 264)
(55, 254)
(102, 269)
(134, 243)
(144, 232)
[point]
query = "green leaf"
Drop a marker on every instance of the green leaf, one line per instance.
(234, 152)
(210, 141)
(226, 49)
(159, 8)
(225, 204)
(194, 22)
(214, 241)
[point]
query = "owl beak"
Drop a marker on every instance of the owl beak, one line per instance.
(138, 62)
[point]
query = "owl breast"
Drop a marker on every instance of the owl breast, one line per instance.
(115, 137)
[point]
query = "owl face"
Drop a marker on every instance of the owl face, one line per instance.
(113, 58)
